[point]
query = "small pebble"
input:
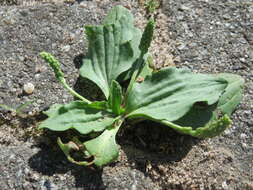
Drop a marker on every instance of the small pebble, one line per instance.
(37, 76)
(66, 48)
(28, 88)
(244, 145)
(83, 4)
(35, 177)
(243, 136)
(228, 131)
(243, 60)
(39, 101)
(184, 8)
(21, 58)
(224, 185)
(182, 46)
(69, 1)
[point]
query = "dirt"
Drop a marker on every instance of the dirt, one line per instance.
(203, 35)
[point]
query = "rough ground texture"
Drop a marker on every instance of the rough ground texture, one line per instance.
(204, 35)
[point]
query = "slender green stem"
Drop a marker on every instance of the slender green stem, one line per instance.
(74, 93)
(136, 73)
(7, 108)
(22, 106)
(54, 63)
(144, 45)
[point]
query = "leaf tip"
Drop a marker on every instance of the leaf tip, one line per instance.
(214, 129)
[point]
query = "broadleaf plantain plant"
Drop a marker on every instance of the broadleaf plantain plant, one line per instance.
(195, 104)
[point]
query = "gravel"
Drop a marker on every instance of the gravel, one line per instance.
(203, 35)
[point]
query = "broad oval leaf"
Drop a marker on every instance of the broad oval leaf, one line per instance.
(170, 93)
(206, 117)
(116, 13)
(210, 121)
(104, 148)
(79, 116)
(113, 48)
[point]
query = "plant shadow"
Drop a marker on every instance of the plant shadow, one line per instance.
(50, 160)
(152, 143)
(85, 87)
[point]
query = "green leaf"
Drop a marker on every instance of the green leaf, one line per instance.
(116, 13)
(18, 109)
(113, 48)
(104, 148)
(233, 93)
(100, 105)
(7, 108)
(170, 93)
(199, 116)
(196, 104)
(144, 46)
(23, 106)
(79, 116)
(210, 121)
(147, 69)
(210, 129)
(201, 121)
(99, 151)
(115, 98)
(70, 147)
